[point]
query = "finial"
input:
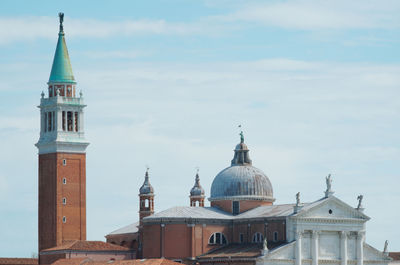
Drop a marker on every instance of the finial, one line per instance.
(298, 199)
(42, 94)
(360, 198)
(61, 16)
(80, 93)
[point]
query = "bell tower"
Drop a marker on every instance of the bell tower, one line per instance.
(62, 155)
(146, 198)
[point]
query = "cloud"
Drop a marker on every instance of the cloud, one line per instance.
(31, 28)
(318, 15)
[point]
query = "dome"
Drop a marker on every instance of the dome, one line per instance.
(146, 187)
(197, 190)
(241, 181)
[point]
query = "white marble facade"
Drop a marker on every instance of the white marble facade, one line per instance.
(327, 231)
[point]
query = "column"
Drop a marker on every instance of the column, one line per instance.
(315, 247)
(343, 248)
(360, 248)
(73, 121)
(59, 120)
(298, 248)
(43, 121)
(81, 121)
(162, 231)
(192, 240)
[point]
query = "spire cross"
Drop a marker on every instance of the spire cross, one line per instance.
(61, 16)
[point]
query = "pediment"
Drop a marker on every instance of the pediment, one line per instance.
(331, 208)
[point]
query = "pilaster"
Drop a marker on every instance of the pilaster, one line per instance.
(343, 248)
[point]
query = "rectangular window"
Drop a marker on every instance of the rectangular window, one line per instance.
(45, 122)
(235, 207)
(54, 121)
(241, 240)
(63, 120)
(76, 121)
(50, 122)
(69, 121)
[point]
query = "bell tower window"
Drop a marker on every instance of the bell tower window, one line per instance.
(69, 121)
(49, 126)
(63, 120)
(45, 122)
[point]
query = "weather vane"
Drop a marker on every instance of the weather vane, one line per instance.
(61, 16)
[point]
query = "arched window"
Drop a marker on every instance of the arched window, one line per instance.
(217, 238)
(146, 203)
(275, 236)
(258, 237)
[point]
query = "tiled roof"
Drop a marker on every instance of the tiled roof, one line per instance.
(129, 229)
(191, 212)
(214, 213)
(394, 255)
(234, 251)
(87, 261)
(82, 245)
(18, 261)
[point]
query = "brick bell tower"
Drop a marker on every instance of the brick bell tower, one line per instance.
(62, 155)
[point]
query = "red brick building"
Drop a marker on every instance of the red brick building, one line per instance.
(242, 214)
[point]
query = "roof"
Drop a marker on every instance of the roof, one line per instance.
(186, 212)
(22, 261)
(183, 212)
(241, 181)
(234, 251)
(394, 255)
(81, 245)
(88, 261)
(61, 71)
(129, 229)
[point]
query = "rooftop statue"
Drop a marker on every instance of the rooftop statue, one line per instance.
(328, 183)
(385, 248)
(360, 198)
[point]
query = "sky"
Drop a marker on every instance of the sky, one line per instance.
(314, 84)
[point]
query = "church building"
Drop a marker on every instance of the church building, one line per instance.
(242, 225)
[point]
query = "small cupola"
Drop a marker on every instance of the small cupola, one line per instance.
(241, 157)
(146, 188)
(197, 193)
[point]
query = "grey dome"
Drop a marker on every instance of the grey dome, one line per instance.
(197, 190)
(146, 187)
(241, 181)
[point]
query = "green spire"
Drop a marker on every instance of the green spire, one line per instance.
(61, 71)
